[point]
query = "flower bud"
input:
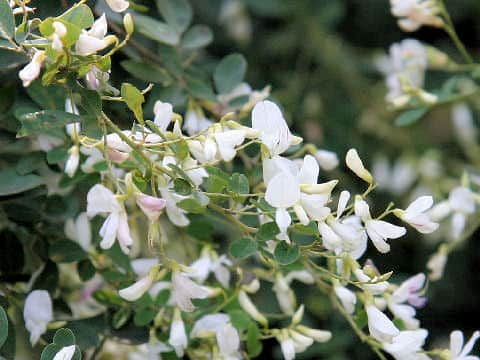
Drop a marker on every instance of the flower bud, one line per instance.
(355, 164)
(151, 206)
(315, 334)
(250, 308)
(73, 160)
(324, 188)
(128, 24)
(118, 5)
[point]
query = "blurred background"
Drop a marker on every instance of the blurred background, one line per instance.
(319, 58)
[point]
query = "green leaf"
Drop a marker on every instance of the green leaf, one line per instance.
(144, 316)
(39, 121)
(134, 99)
(80, 16)
(286, 253)
(147, 72)
(238, 184)
(267, 231)
(29, 163)
(7, 349)
(182, 187)
(64, 337)
(243, 248)
(121, 317)
(66, 251)
(196, 37)
(240, 320)
(177, 13)
(50, 351)
(57, 155)
(3, 326)
(254, 345)
(85, 270)
(192, 206)
(410, 117)
(156, 30)
(12, 183)
(200, 89)
(7, 21)
(229, 73)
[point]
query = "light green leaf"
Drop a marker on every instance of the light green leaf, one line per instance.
(156, 30)
(229, 73)
(3, 326)
(7, 21)
(12, 183)
(238, 183)
(196, 37)
(286, 253)
(200, 89)
(254, 345)
(410, 117)
(80, 16)
(243, 248)
(177, 13)
(192, 206)
(134, 100)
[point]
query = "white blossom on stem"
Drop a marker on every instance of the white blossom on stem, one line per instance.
(417, 216)
(415, 13)
(32, 70)
(178, 336)
(184, 290)
(459, 351)
(102, 200)
(380, 326)
(37, 313)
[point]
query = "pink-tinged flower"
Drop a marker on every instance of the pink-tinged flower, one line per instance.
(151, 206)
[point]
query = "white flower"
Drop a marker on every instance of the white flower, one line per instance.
(407, 345)
(118, 5)
(163, 114)
(228, 341)
(195, 121)
(274, 132)
(37, 313)
(175, 214)
(355, 164)
(184, 290)
(378, 230)
(287, 345)
(371, 284)
(250, 308)
(380, 326)
(93, 40)
(316, 334)
(60, 31)
(346, 297)
(404, 70)
(209, 262)
(285, 296)
(65, 353)
(79, 230)
(72, 129)
(460, 352)
(416, 215)
(137, 289)
(71, 165)
(178, 336)
(307, 198)
(328, 160)
(102, 200)
(408, 291)
(195, 173)
(462, 203)
(415, 13)
(32, 70)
